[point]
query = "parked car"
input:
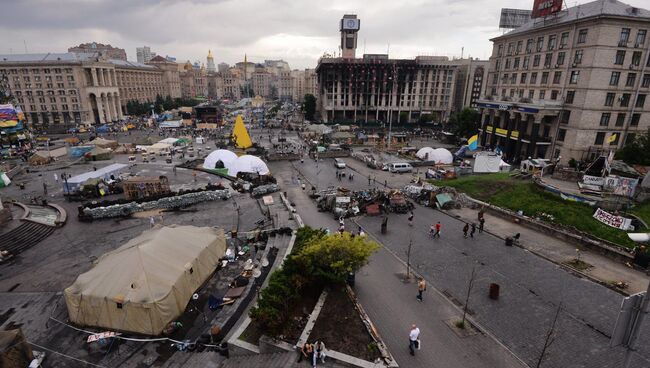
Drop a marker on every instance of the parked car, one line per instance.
(339, 164)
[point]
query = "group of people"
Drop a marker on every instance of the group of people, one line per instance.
(312, 352)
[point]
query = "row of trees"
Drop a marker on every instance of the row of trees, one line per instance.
(317, 260)
(159, 105)
(636, 151)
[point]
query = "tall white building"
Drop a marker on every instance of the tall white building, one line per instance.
(144, 54)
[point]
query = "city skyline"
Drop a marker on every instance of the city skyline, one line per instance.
(298, 32)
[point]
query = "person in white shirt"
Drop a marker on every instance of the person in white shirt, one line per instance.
(413, 339)
(319, 352)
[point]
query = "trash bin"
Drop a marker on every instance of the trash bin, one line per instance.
(350, 279)
(494, 291)
(509, 241)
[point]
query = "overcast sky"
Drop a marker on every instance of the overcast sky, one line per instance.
(298, 31)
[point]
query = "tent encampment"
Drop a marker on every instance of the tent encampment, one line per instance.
(146, 283)
(104, 143)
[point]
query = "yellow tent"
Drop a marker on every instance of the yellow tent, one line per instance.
(240, 134)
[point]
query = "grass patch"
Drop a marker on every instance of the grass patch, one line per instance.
(503, 191)
(642, 211)
(579, 265)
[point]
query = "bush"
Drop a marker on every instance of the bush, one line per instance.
(316, 259)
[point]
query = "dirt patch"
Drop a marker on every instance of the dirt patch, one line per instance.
(252, 333)
(578, 264)
(341, 329)
(300, 314)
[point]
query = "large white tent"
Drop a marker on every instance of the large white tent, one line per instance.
(225, 156)
(248, 164)
(146, 283)
(425, 153)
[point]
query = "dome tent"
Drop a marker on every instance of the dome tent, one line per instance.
(226, 157)
(442, 156)
(249, 164)
(425, 153)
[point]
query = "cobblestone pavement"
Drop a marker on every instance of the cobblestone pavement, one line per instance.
(531, 287)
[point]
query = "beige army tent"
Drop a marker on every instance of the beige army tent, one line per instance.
(147, 282)
(104, 143)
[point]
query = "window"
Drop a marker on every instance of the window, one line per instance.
(545, 78)
(540, 43)
(521, 93)
(523, 78)
(536, 59)
(636, 58)
(625, 100)
(505, 78)
(542, 94)
(625, 37)
(529, 45)
(575, 75)
(497, 65)
(646, 81)
(510, 47)
(600, 138)
(513, 78)
(640, 38)
(613, 80)
(520, 45)
(52, 99)
(531, 94)
(565, 115)
(631, 78)
(620, 119)
(548, 58)
(554, 94)
(640, 101)
(570, 95)
(582, 36)
(577, 58)
(561, 134)
(560, 58)
(70, 78)
(500, 50)
(533, 78)
(507, 64)
(526, 62)
(552, 40)
(557, 76)
(635, 119)
(64, 107)
(564, 39)
(616, 136)
(515, 64)
(620, 57)
(609, 99)
(604, 118)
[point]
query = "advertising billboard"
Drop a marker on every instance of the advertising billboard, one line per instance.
(513, 18)
(543, 8)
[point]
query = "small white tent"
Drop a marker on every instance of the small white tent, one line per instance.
(425, 153)
(441, 156)
(487, 162)
(225, 156)
(248, 164)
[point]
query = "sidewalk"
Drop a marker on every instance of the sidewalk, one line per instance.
(604, 269)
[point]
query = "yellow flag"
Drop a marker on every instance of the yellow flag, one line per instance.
(612, 138)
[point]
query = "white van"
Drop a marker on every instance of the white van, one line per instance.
(340, 164)
(400, 167)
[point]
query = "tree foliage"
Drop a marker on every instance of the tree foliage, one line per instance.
(161, 104)
(465, 123)
(636, 151)
(309, 106)
(316, 260)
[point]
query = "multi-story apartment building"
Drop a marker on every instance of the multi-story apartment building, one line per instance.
(170, 75)
(376, 88)
(303, 82)
(62, 90)
(572, 85)
(104, 50)
(262, 82)
(143, 54)
(194, 81)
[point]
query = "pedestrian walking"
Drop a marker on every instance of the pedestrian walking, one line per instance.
(368, 180)
(56, 178)
(152, 222)
(472, 231)
(44, 188)
(351, 176)
(422, 287)
(437, 233)
(174, 169)
(161, 218)
(411, 218)
(374, 180)
(194, 175)
(465, 230)
(386, 183)
(414, 342)
(481, 223)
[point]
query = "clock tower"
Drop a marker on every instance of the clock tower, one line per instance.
(349, 28)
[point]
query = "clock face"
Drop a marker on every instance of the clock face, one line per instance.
(352, 24)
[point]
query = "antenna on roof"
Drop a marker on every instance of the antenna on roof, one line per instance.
(25, 43)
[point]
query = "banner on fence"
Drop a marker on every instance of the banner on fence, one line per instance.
(612, 220)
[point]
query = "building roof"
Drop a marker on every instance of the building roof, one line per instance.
(580, 12)
(50, 57)
(130, 64)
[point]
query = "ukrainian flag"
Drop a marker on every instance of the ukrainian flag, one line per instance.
(472, 142)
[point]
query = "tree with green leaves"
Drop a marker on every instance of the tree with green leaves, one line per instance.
(636, 151)
(465, 123)
(403, 117)
(309, 106)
